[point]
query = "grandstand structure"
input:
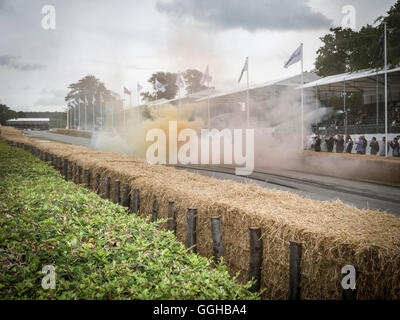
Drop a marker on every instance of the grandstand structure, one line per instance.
(30, 123)
(365, 115)
(355, 101)
(230, 106)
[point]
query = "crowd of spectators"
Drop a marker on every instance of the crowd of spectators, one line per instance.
(347, 145)
(395, 113)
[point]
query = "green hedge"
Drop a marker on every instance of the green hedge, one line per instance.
(98, 249)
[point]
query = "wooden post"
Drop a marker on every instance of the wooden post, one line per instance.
(135, 202)
(69, 171)
(53, 160)
(105, 188)
(154, 216)
(294, 271)
(97, 183)
(171, 223)
(79, 174)
(86, 178)
(75, 172)
(65, 168)
(56, 162)
(191, 229)
(59, 164)
(117, 185)
(218, 249)
(125, 200)
(350, 294)
(256, 258)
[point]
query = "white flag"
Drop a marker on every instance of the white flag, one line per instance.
(295, 57)
(139, 87)
(80, 100)
(179, 81)
(101, 98)
(93, 99)
(159, 86)
(245, 68)
(86, 102)
(205, 76)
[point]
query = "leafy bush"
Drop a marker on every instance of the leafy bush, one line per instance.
(98, 249)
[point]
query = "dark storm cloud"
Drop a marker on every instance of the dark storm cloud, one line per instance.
(12, 62)
(249, 15)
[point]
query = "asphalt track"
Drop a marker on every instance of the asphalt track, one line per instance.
(363, 195)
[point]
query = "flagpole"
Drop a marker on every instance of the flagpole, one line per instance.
(302, 101)
(247, 96)
(386, 138)
(67, 116)
(86, 103)
(155, 85)
(101, 112)
(94, 115)
(112, 116)
(74, 124)
(79, 116)
(208, 106)
(123, 108)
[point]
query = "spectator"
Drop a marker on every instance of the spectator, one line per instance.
(374, 145)
(382, 152)
(395, 146)
(312, 140)
(317, 144)
(339, 144)
(360, 145)
(329, 143)
(348, 144)
(365, 144)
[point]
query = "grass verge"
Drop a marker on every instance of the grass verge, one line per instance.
(99, 250)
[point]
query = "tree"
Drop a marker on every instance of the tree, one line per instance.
(345, 50)
(89, 88)
(168, 80)
(193, 78)
(333, 56)
(6, 113)
(393, 34)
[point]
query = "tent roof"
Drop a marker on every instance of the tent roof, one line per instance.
(291, 81)
(365, 79)
(30, 120)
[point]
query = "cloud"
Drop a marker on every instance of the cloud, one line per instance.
(6, 7)
(120, 65)
(51, 97)
(12, 62)
(249, 15)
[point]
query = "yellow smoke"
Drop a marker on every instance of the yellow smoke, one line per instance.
(132, 139)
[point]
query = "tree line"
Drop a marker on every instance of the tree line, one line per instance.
(346, 50)
(6, 113)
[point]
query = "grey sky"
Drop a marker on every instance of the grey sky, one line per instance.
(249, 15)
(122, 42)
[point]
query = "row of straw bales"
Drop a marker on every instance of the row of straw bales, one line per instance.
(354, 166)
(333, 234)
(73, 132)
